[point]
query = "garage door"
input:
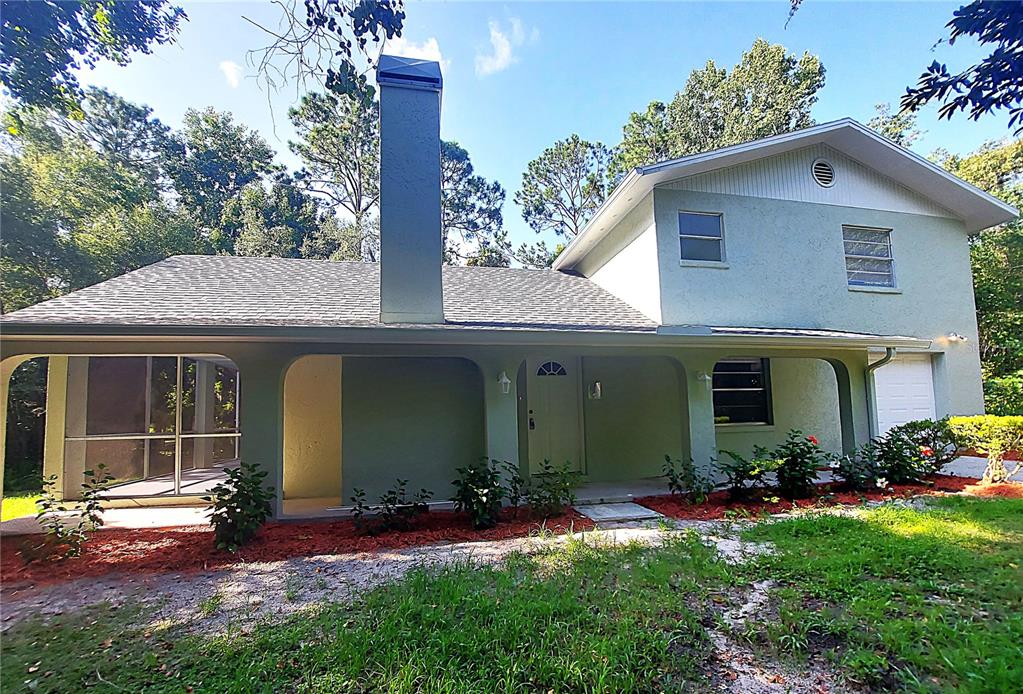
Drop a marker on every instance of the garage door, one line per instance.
(905, 391)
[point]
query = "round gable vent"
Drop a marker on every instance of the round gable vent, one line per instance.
(823, 173)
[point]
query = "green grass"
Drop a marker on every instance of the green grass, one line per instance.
(922, 601)
(18, 506)
(576, 619)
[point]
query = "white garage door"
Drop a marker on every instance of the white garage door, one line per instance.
(905, 391)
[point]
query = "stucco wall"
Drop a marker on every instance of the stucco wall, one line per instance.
(786, 268)
(804, 395)
(410, 418)
(312, 428)
(637, 420)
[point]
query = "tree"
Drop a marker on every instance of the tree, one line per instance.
(344, 240)
(899, 127)
(993, 83)
(339, 147)
(537, 255)
(564, 186)
(769, 92)
(997, 258)
(470, 210)
(44, 43)
(212, 159)
(271, 223)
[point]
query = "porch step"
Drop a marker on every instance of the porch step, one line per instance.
(617, 512)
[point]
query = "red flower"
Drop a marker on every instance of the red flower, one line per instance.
(926, 451)
(813, 440)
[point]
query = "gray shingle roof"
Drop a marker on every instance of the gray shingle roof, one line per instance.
(265, 292)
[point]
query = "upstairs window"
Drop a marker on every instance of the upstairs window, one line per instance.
(742, 393)
(700, 236)
(868, 257)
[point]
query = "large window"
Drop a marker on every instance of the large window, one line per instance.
(700, 236)
(742, 391)
(161, 425)
(868, 257)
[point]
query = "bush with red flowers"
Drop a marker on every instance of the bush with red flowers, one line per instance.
(799, 457)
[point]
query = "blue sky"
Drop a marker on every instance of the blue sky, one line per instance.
(519, 76)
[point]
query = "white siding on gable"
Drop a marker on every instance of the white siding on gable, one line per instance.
(788, 177)
(632, 275)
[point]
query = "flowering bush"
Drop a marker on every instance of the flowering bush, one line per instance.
(900, 459)
(859, 470)
(744, 474)
(478, 492)
(799, 458)
(936, 441)
(686, 481)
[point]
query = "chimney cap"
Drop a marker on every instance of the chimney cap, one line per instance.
(409, 72)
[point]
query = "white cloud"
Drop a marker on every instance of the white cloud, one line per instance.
(232, 73)
(427, 50)
(502, 46)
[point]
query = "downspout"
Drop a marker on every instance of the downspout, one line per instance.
(889, 354)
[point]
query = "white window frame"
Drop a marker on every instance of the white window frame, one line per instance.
(721, 240)
(894, 286)
(765, 371)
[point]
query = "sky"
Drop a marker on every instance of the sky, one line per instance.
(519, 76)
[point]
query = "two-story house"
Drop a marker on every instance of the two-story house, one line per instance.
(817, 280)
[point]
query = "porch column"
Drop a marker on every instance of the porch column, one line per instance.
(56, 416)
(261, 417)
(850, 373)
(703, 443)
(7, 367)
(205, 409)
(502, 414)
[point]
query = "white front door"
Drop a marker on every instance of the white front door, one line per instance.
(904, 391)
(553, 419)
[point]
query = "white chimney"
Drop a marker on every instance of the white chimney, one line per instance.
(410, 240)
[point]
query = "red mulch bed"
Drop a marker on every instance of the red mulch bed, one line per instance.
(828, 495)
(1009, 455)
(1005, 490)
(190, 549)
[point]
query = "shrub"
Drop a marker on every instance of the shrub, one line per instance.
(858, 470)
(65, 536)
(937, 442)
(551, 491)
(900, 458)
(745, 474)
(798, 458)
(514, 484)
(686, 481)
(478, 492)
(992, 436)
(396, 510)
(241, 504)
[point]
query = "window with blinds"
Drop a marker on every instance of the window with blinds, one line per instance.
(868, 257)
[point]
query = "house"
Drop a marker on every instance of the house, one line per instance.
(817, 280)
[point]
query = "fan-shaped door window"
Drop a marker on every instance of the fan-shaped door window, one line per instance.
(551, 368)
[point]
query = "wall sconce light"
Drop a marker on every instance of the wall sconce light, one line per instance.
(596, 390)
(504, 382)
(956, 337)
(707, 379)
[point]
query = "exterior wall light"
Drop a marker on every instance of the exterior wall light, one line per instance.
(707, 379)
(956, 337)
(596, 391)
(504, 382)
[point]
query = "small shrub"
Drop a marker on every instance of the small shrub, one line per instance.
(241, 504)
(552, 490)
(744, 474)
(478, 492)
(900, 459)
(685, 480)
(65, 536)
(859, 470)
(937, 442)
(992, 436)
(396, 510)
(514, 484)
(798, 458)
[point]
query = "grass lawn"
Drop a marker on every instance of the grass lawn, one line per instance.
(899, 599)
(18, 506)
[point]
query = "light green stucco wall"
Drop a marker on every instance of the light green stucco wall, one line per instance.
(410, 418)
(637, 420)
(786, 268)
(312, 428)
(804, 393)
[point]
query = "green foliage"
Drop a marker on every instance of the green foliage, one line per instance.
(396, 510)
(552, 490)
(899, 127)
(564, 186)
(241, 504)
(1003, 395)
(900, 459)
(799, 458)
(470, 207)
(478, 492)
(44, 44)
(67, 525)
(767, 93)
(685, 480)
(513, 483)
(859, 470)
(745, 474)
(992, 436)
(270, 223)
(937, 442)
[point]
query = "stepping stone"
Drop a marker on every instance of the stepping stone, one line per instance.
(617, 512)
